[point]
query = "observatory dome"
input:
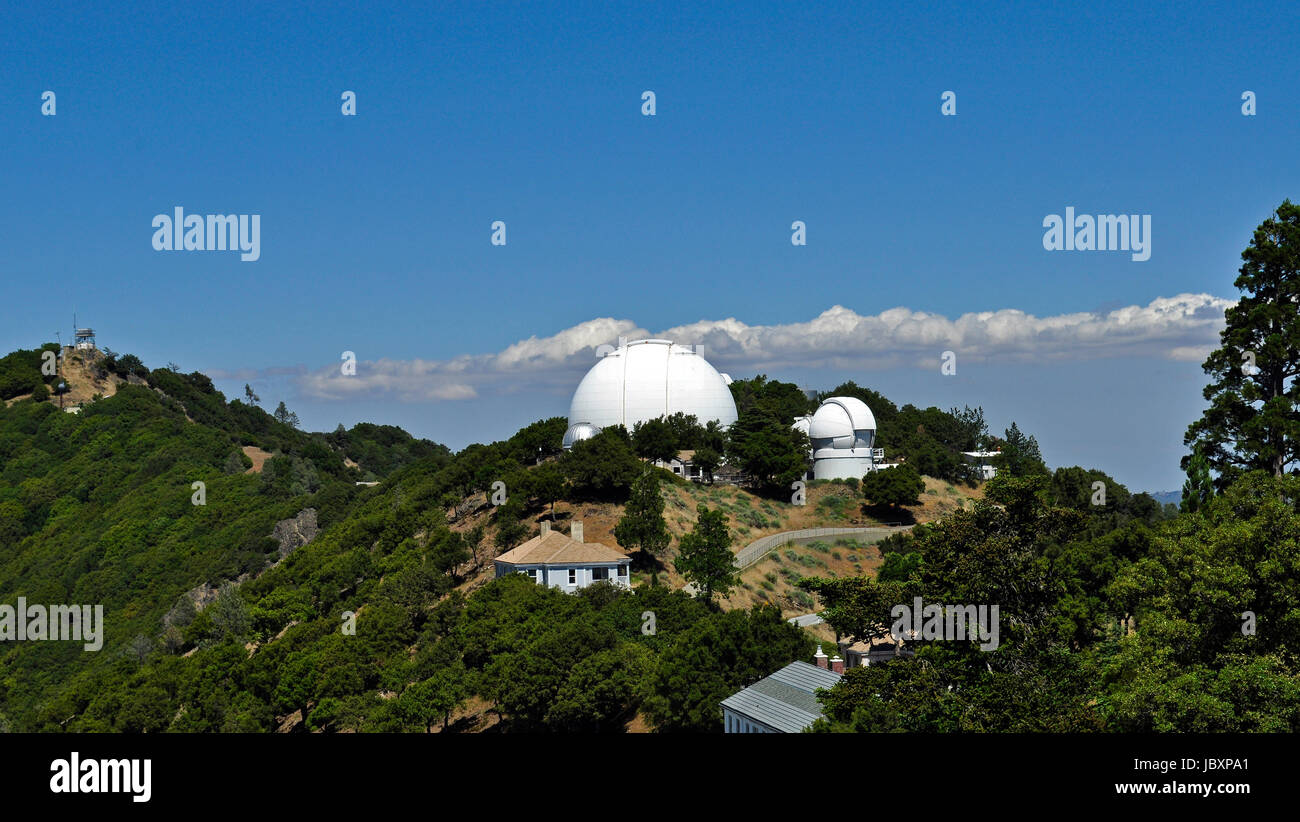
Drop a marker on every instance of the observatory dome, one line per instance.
(803, 424)
(645, 380)
(579, 431)
(843, 432)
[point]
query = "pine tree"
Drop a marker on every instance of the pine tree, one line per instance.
(705, 557)
(284, 415)
(1199, 488)
(1252, 422)
(1020, 455)
(643, 523)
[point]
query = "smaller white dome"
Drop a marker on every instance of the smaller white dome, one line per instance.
(579, 431)
(841, 418)
(842, 432)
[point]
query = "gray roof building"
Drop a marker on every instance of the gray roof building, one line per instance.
(784, 702)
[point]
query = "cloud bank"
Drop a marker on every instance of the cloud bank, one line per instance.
(1184, 328)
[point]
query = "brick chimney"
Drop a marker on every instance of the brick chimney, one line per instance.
(546, 527)
(820, 658)
(837, 664)
(575, 532)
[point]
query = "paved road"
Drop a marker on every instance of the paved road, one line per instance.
(806, 620)
(760, 547)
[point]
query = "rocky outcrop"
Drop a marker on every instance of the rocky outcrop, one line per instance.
(296, 532)
(291, 534)
(468, 507)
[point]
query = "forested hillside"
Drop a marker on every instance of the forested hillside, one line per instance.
(102, 507)
(213, 625)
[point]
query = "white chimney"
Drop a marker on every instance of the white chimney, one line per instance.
(546, 527)
(575, 532)
(820, 658)
(837, 664)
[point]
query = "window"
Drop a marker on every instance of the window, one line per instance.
(573, 576)
(622, 570)
(599, 574)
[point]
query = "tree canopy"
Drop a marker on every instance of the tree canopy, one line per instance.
(1253, 422)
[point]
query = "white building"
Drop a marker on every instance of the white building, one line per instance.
(984, 469)
(683, 465)
(785, 702)
(644, 380)
(565, 562)
(843, 433)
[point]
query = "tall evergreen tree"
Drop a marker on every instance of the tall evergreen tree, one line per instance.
(1020, 455)
(643, 523)
(705, 557)
(1252, 422)
(1199, 487)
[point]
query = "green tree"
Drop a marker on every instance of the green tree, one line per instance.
(772, 452)
(1252, 422)
(547, 483)
(229, 613)
(896, 486)
(783, 400)
(510, 530)
(704, 555)
(642, 524)
(433, 699)
(708, 459)
(295, 686)
(284, 415)
(857, 607)
(1199, 488)
(1020, 455)
(654, 440)
(541, 439)
(714, 657)
(604, 466)
(603, 691)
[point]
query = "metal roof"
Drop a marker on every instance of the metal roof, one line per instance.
(786, 700)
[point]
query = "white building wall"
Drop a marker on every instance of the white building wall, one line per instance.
(557, 576)
(734, 723)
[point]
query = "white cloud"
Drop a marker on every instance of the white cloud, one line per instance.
(1184, 327)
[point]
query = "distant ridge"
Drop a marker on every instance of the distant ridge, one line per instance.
(1162, 497)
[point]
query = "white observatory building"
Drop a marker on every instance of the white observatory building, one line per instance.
(644, 380)
(843, 435)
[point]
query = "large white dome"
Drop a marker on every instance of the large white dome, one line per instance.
(645, 380)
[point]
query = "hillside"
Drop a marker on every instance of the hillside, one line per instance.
(749, 517)
(293, 598)
(99, 508)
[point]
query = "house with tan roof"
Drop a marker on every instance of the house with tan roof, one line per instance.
(565, 562)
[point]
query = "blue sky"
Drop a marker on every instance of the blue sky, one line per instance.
(375, 228)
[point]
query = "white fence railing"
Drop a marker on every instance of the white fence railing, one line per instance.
(760, 547)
